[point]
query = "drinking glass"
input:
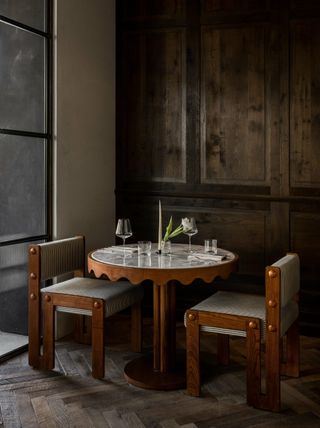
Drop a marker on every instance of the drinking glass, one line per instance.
(144, 248)
(123, 230)
(211, 246)
(192, 231)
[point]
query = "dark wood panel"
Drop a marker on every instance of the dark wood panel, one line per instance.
(240, 231)
(305, 106)
(218, 7)
(305, 239)
(154, 111)
(233, 144)
(165, 8)
(144, 9)
(218, 115)
(304, 4)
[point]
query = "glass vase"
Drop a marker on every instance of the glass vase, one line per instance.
(165, 247)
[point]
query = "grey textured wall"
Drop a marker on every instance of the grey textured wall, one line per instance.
(85, 120)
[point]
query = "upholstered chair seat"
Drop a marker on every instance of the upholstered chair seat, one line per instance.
(116, 295)
(246, 305)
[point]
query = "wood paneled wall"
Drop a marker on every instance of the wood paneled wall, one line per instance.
(218, 114)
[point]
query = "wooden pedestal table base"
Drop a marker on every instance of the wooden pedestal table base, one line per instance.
(160, 371)
(140, 372)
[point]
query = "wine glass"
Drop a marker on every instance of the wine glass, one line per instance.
(123, 230)
(192, 230)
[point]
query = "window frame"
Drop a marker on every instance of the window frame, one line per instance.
(47, 136)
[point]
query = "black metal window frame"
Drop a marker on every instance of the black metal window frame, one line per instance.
(47, 136)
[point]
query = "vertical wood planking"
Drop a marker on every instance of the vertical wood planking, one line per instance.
(305, 107)
(233, 105)
(155, 111)
(245, 75)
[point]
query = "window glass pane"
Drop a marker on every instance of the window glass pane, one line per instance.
(22, 187)
(28, 12)
(22, 87)
(14, 288)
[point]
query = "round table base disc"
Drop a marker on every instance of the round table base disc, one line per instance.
(140, 372)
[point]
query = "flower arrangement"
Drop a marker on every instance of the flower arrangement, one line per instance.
(183, 227)
(186, 225)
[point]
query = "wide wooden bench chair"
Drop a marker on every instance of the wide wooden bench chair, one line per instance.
(79, 295)
(257, 318)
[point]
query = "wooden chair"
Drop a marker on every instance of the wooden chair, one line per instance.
(83, 296)
(257, 318)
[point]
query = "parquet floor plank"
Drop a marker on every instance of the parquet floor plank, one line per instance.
(25, 410)
(9, 412)
(114, 420)
(69, 397)
(96, 418)
(77, 416)
(58, 410)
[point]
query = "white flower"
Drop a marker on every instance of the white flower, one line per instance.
(186, 224)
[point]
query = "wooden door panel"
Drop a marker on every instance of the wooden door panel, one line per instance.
(154, 107)
(305, 105)
(233, 144)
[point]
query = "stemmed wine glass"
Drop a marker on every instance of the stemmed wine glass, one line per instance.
(192, 230)
(123, 230)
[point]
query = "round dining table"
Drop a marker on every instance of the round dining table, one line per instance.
(160, 370)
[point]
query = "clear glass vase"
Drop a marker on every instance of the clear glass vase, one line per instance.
(165, 247)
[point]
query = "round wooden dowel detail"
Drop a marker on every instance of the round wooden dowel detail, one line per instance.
(33, 275)
(272, 273)
(47, 298)
(272, 303)
(271, 328)
(33, 250)
(192, 317)
(252, 324)
(33, 296)
(97, 305)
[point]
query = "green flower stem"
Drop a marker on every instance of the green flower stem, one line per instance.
(170, 234)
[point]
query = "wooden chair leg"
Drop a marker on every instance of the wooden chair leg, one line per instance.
(223, 349)
(253, 343)
(98, 353)
(292, 365)
(34, 330)
(34, 313)
(273, 367)
(48, 333)
(83, 329)
(136, 327)
(193, 354)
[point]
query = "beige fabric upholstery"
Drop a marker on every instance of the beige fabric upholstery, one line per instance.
(246, 305)
(290, 276)
(117, 295)
(63, 256)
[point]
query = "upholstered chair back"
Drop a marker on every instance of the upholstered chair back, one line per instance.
(60, 257)
(289, 267)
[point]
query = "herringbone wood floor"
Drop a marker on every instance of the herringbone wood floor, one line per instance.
(70, 397)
